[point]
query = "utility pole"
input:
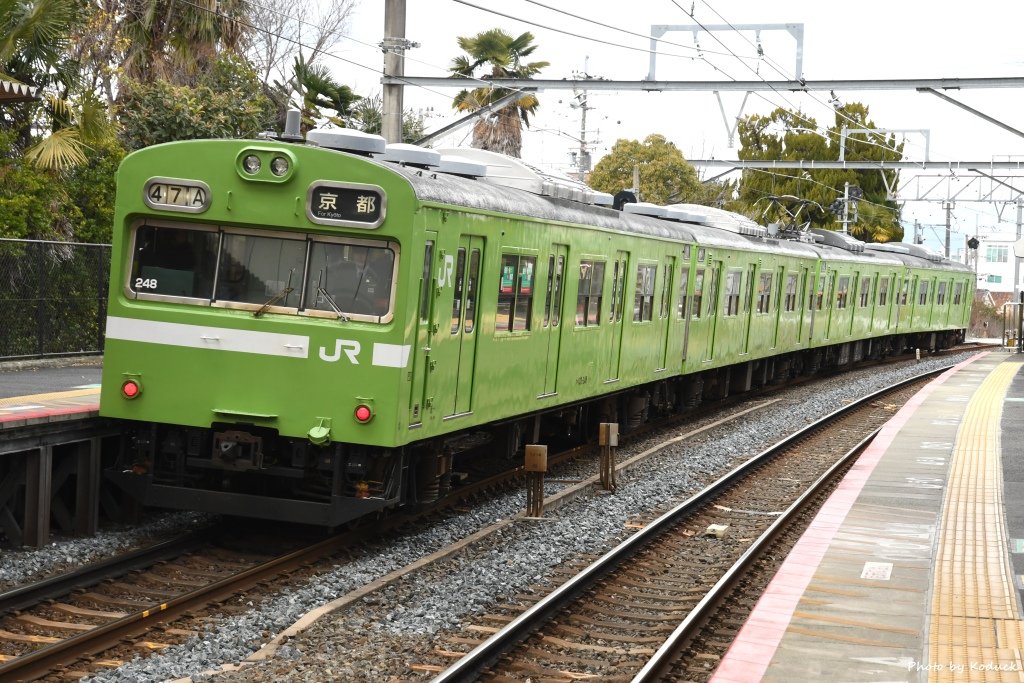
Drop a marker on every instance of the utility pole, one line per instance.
(846, 207)
(583, 160)
(948, 206)
(1016, 260)
(394, 46)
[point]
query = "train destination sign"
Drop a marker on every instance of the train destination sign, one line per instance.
(352, 205)
(174, 194)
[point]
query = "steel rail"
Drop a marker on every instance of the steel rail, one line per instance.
(469, 667)
(45, 660)
(664, 657)
(91, 574)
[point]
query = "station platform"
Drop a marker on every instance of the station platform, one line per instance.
(48, 394)
(913, 570)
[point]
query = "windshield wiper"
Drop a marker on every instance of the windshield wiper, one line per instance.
(330, 302)
(283, 294)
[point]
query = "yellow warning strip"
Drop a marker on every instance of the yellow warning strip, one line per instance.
(38, 398)
(975, 632)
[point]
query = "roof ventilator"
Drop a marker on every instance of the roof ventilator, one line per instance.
(516, 173)
(721, 219)
(347, 140)
(645, 209)
(412, 155)
(838, 239)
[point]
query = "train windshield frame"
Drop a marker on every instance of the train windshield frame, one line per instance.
(298, 273)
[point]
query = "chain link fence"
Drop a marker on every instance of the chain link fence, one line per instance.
(53, 298)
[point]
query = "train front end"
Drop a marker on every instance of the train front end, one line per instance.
(255, 342)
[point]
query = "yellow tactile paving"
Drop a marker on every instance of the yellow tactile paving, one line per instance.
(39, 398)
(975, 631)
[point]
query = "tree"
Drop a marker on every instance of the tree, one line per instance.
(785, 135)
(317, 90)
(225, 103)
(55, 131)
(177, 41)
(666, 177)
(285, 30)
(367, 116)
(501, 130)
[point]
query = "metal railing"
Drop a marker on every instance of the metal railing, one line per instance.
(53, 298)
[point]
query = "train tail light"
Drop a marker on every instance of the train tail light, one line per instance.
(131, 388)
(363, 414)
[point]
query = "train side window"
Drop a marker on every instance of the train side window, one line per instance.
(549, 291)
(791, 281)
(958, 292)
(643, 302)
(472, 278)
(865, 291)
(922, 293)
(905, 292)
(698, 292)
(714, 274)
(883, 291)
(428, 258)
(733, 280)
(618, 289)
(818, 298)
(666, 288)
(843, 291)
(764, 293)
(515, 293)
(553, 299)
(589, 293)
(460, 283)
(684, 277)
(556, 311)
(940, 294)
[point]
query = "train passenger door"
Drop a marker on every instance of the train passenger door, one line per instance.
(420, 397)
(714, 276)
(664, 311)
(805, 287)
(619, 269)
(462, 330)
(684, 303)
(552, 323)
(748, 306)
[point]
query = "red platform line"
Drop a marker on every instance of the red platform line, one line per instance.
(755, 645)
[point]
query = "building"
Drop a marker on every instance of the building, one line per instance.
(994, 262)
(16, 92)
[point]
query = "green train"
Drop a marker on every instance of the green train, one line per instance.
(318, 330)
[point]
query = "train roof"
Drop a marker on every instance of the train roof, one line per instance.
(476, 192)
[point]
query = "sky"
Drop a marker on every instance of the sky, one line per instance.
(869, 39)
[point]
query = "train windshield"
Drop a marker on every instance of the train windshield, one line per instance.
(302, 273)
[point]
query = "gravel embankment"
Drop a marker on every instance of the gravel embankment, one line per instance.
(380, 637)
(20, 566)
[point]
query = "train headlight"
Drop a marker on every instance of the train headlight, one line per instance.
(131, 388)
(363, 414)
(279, 166)
(251, 163)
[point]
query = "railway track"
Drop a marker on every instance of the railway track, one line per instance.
(64, 634)
(639, 611)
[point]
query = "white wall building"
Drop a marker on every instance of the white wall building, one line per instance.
(994, 262)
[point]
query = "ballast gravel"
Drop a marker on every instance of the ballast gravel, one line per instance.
(379, 637)
(20, 566)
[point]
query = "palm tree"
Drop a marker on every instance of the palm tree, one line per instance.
(501, 130)
(177, 40)
(33, 50)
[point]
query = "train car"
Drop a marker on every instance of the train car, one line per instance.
(321, 330)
